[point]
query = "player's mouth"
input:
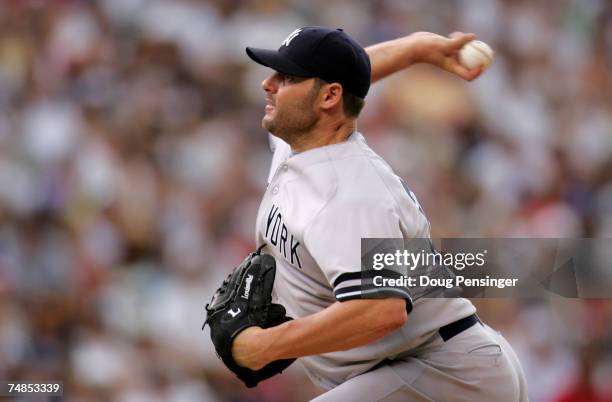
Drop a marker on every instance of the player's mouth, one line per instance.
(269, 105)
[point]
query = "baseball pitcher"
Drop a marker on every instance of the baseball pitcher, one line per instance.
(301, 296)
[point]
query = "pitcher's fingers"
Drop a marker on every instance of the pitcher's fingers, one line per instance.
(463, 72)
(472, 74)
(458, 39)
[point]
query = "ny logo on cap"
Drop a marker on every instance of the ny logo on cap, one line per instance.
(292, 35)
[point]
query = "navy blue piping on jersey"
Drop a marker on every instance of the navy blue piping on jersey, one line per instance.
(368, 290)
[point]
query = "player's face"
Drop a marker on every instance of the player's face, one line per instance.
(289, 105)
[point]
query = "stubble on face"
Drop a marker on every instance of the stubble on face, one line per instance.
(294, 117)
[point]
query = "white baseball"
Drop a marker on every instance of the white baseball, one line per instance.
(475, 53)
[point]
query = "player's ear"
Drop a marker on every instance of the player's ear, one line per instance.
(332, 96)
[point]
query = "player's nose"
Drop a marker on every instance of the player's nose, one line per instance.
(269, 84)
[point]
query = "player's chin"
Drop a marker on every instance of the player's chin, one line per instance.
(267, 124)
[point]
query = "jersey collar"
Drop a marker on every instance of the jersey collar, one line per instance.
(326, 153)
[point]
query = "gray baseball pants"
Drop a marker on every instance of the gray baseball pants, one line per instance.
(476, 365)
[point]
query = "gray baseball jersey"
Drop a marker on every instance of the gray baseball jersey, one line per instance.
(317, 207)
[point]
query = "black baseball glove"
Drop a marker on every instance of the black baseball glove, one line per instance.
(245, 300)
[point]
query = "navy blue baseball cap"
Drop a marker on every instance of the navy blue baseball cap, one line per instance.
(326, 53)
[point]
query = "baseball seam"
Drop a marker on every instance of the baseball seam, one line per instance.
(485, 54)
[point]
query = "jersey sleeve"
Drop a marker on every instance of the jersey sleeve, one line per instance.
(333, 239)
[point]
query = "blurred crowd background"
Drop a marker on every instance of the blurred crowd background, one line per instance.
(132, 162)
